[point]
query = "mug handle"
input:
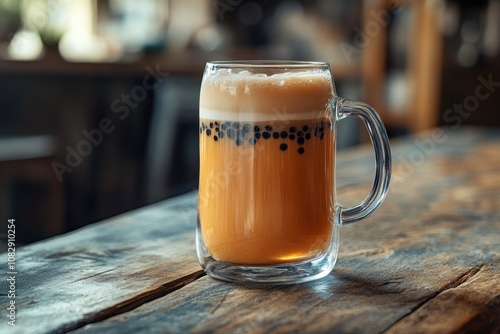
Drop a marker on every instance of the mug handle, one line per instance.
(347, 108)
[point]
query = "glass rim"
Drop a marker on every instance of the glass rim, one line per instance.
(269, 64)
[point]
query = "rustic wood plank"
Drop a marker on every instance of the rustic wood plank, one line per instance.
(366, 293)
(104, 269)
(471, 305)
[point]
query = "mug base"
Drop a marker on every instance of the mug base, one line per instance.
(287, 273)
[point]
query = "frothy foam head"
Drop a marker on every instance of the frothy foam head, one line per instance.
(250, 97)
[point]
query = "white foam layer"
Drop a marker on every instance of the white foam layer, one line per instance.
(284, 75)
(219, 115)
(226, 79)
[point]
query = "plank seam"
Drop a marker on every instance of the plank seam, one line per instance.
(467, 276)
(134, 302)
(87, 277)
(462, 279)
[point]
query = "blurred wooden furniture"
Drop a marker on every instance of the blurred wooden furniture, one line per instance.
(173, 138)
(423, 61)
(427, 262)
(63, 99)
(26, 175)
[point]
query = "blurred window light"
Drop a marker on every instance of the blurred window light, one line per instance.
(211, 38)
(78, 43)
(81, 42)
(35, 15)
(25, 45)
(185, 23)
(48, 17)
(397, 91)
(491, 40)
(138, 24)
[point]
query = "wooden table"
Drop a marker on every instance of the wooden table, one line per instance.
(427, 262)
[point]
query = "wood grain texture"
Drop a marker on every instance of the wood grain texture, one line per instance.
(427, 262)
(104, 269)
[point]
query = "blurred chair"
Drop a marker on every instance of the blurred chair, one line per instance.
(170, 148)
(417, 91)
(30, 192)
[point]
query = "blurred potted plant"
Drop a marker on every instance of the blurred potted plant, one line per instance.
(10, 19)
(47, 17)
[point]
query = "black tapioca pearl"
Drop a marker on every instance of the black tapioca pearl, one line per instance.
(293, 129)
(301, 150)
(269, 128)
(221, 135)
(257, 135)
(240, 133)
(256, 128)
(321, 135)
(322, 124)
(216, 123)
(209, 132)
(230, 133)
(308, 136)
(284, 134)
(300, 140)
(305, 128)
(321, 129)
(236, 125)
(216, 138)
(266, 135)
(291, 136)
(283, 147)
(246, 128)
(211, 125)
(201, 131)
(276, 135)
(223, 127)
(300, 134)
(239, 141)
(252, 141)
(217, 129)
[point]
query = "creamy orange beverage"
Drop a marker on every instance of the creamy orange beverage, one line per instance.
(266, 192)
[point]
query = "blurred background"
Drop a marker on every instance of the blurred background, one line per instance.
(99, 98)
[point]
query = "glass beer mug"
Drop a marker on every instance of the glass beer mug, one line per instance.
(267, 209)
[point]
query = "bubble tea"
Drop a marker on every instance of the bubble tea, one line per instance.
(266, 191)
